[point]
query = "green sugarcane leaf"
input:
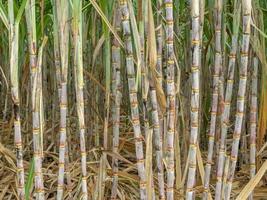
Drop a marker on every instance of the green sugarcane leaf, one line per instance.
(20, 12)
(3, 15)
(29, 182)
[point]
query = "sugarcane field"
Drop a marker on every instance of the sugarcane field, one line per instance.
(133, 99)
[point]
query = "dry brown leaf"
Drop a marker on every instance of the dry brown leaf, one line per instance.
(252, 183)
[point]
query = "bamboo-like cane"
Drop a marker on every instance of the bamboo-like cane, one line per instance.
(246, 11)
(194, 114)
(79, 86)
(158, 142)
(31, 26)
(225, 172)
(215, 93)
(253, 117)
(227, 102)
(39, 100)
(159, 138)
(133, 97)
(14, 42)
(58, 77)
(170, 90)
(56, 62)
(116, 93)
(56, 46)
(63, 24)
(144, 71)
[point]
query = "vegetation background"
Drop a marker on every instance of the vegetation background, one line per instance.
(133, 99)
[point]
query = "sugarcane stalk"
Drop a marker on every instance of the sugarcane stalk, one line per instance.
(246, 11)
(35, 71)
(107, 65)
(225, 172)
(227, 102)
(157, 141)
(215, 93)
(40, 92)
(158, 131)
(170, 91)
(79, 86)
(63, 24)
(116, 93)
(56, 46)
(144, 71)
(58, 79)
(14, 72)
(57, 63)
(133, 97)
(253, 117)
(194, 113)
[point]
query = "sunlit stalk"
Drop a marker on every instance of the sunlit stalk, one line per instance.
(79, 86)
(36, 119)
(14, 77)
(116, 93)
(215, 93)
(253, 117)
(194, 114)
(170, 91)
(246, 11)
(63, 24)
(133, 97)
(227, 101)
